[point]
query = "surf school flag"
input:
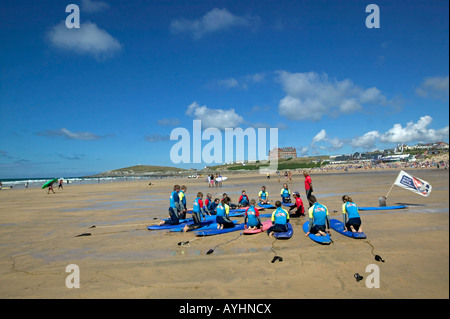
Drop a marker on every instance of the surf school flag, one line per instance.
(414, 184)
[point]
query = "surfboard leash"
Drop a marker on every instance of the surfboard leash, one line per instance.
(276, 257)
(377, 257)
(184, 243)
(212, 249)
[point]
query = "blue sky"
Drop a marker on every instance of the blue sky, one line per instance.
(108, 94)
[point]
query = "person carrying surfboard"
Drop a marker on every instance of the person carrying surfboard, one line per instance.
(319, 221)
(280, 219)
(50, 188)
(351, 218)
(285, 194)
(252, 220)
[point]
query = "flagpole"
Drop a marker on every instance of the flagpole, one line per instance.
(390, 190)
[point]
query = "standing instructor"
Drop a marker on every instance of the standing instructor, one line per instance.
(308, 187)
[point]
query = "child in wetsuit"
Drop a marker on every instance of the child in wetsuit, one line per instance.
(252, 220)
(174, 207)
(197, 213)
(223, 211)
(319, 221)
(299, 208)
(285, 194)
(280, 219)
(350, 210)
(243, 200)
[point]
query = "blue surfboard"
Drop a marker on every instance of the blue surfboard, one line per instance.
(285, 235)
(205, 226)
(288, 204)
(212, 232)
(382, 207)
(338, 226)
(267, 206)
(324, 240)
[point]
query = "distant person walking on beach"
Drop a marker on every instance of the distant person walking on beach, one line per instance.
(308, 187)
(50, 188)
(60, 184)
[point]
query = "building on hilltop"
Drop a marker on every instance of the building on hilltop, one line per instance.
(282, 152)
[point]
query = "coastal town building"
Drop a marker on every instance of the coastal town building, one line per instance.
(282, 152)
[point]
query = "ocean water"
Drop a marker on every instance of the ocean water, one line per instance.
(20, 183)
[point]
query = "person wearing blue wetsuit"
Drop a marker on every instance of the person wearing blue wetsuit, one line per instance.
(182, 195)
(252, 220)
(263, 196)
(285, 194)
(319, 221)
(351, 218)
(223, 211)
(243, 200)
(280, 219)
(198, 214)
(174, 207)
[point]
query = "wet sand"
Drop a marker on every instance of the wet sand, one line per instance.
(122, 259)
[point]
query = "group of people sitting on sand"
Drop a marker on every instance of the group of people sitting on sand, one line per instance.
(317, 213)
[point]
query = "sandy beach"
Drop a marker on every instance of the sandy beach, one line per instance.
(122, 259)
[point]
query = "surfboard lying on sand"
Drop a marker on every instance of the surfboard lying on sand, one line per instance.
(382, 207)
(288, 204)
(324, 240)
(338, 226)
(266, 206)
(205, 226)
(285, 235)
(266, 225)
(212, 232)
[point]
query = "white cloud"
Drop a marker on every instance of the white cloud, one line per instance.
(88, 39)
(157, 138)
(216, 118)
(242, 82)
(168, 122)
(228, 83)
(310, 96)
(367, 141)
(434, 87)
(413, 132)
(91, 6)
(322, 135)
(213, 21)
(86, 136)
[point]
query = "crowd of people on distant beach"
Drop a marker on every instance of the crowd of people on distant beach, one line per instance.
(439, 164)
